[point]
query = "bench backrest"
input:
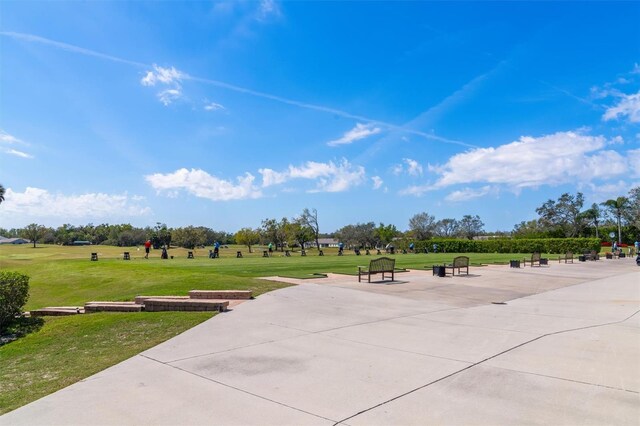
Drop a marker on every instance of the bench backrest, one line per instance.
(569, 255)
(460, 261)
(382, 264)
(535, 257)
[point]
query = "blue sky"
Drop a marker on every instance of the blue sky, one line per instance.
(223, 114)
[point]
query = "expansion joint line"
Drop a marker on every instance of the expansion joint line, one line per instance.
(236, 388)
(482, 362)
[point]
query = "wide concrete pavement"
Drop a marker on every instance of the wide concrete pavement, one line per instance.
(564, 348)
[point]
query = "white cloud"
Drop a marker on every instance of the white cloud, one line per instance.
(529, 162)
(412, 168)
(161, 75)
(271, 177)
(36, 202)
(202, 184)
(329, 177)
(467, 194)
(377, 182)
(18, 153)
(212, 106)
(165, 77)
(361, 131)
(627, 106)
(560, 158)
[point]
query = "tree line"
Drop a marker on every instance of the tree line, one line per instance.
(561, 218)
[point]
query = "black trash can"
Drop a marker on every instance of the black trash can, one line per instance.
(514, 263)
(439, 271)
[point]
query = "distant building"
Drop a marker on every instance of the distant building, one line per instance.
(13, 241)
(81, 243)
(324, 243)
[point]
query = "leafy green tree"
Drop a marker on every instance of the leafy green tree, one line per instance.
(248, 237)
(188, 237)
(161, 236)
(563, 215)
(528, 230)
(470, 226)
(422, 226)
(633, 211)
(359, 235)
(299, 233)
(14, 293)
(447, 228)
(386, 234)
(34, 232)
(275, 232)
(618, 208)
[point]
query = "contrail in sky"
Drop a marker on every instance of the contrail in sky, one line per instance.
(76, 49)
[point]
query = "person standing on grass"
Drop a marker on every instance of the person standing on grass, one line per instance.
(216, 249)
(270, 247)
(147, 247)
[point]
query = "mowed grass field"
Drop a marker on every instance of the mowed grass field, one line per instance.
(68, 349)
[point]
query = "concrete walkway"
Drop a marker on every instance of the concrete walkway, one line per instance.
(563, 347)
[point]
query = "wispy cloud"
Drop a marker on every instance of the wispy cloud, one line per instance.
(168, 96)
(467, 194)
(239, 89)
(410, 166)
(361, 131)
(203, 185)
(165, 77)
(18, 153)
(329, 177)
(212, 106)
(39, 202)
(268, 9)
(7, 139)
(377, 182)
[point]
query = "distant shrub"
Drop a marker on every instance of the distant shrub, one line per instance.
(14, 293)
(506, 245)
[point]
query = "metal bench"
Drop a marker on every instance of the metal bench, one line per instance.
(535, 258)
(458, 263)
(567, 257)
(377, 266)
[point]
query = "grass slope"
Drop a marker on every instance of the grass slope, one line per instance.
(69, 349)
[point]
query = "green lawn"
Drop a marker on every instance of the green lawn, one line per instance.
(69, 349)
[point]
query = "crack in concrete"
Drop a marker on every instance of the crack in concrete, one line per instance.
(236, 388)
(482, 362)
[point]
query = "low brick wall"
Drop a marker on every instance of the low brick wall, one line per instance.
(156, 305)
(141, 299)
(220, 294)
(56, 311)
(112, 307)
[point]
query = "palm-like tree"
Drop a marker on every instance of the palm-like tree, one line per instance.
(593, 215)
(1, 193)
(618, 207)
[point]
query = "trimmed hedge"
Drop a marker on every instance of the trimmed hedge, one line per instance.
(14, 293)
(505, 245)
